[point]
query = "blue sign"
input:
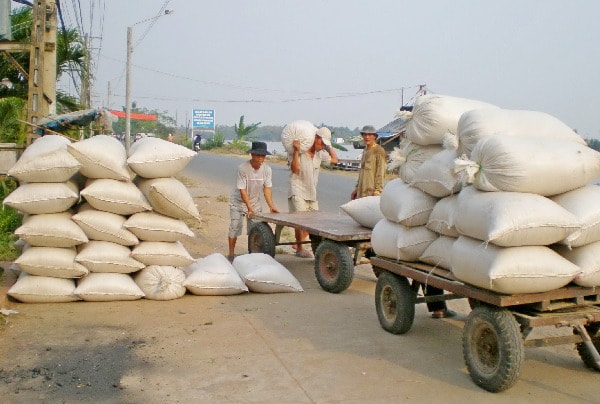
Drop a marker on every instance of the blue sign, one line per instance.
(203, 119)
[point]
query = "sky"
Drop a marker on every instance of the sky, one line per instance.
(344, 62)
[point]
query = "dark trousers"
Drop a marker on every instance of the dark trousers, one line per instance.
(432, 291)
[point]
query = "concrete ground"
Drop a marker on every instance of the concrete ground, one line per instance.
(310, 347)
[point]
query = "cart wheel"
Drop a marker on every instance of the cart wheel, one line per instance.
(394, 302)
(261, 239)
(474, 303)
(583, 350)
(493, 348)
(314, 242)
(334, 267)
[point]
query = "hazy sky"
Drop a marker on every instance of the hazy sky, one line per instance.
(345, 62)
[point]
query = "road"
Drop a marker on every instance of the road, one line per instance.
(334, 186)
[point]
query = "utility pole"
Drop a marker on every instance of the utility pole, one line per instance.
(108, 96)
(42, 63)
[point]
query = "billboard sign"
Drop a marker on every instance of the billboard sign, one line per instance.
(203, 119)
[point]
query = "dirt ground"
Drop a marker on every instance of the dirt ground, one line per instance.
(310, 347)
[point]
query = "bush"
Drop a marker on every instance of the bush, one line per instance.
(214, 142)
(10, 220)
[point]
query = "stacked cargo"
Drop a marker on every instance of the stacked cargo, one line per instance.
(529, 201)
(110, 239)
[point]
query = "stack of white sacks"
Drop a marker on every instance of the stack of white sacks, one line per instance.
(506, 202)
(121, 239)
(101, 226)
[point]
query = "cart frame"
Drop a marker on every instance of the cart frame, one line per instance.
(332, 235)
(499, 326)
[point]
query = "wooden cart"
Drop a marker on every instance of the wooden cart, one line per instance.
(332, 236)
(497, 329)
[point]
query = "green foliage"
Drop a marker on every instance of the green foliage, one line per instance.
(12, 112)
(242, 132)
(163, 125)
(10, 220)
(216, 141)
(593, 143)
(70, 55)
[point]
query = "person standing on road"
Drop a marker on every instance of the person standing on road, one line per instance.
(304, 176)
(372, 166)
(253, 178)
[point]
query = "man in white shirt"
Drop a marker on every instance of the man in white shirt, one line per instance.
(304, 176)
(253, 178)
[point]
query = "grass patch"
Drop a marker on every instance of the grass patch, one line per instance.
(222, 198)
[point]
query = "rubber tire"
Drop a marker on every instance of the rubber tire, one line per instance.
(584, 353)
(334, 267)
(394, 302)
(493, 348)
(314, 243)
(261, 239)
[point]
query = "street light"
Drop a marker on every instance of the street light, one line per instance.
(128, 78)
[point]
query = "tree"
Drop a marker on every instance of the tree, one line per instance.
(593, 143)
(12, 115)
(70, 60)
(242, 132)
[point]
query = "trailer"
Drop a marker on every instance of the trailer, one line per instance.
(498, 329)
(337, 241)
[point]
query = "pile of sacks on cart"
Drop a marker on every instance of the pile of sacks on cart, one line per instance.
(99, 225)
(503, 198)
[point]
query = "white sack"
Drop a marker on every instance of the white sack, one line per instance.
(365, 211)
(169, 197)
(435, 115)
(438, 253)
(104, 226)
(104, 256)
(101, 156)
(213, 275)
(153, 157)
(441, 219)
(162, 253)
(476, 124)
(152, 226)
(587, 258)
(108, 287)
(46, 160)
(512, 219)
(51, 261)
(404, 204)
(39, 198)
(161, 282)
(511, 270)
(119, 197)
(525, 164)
(43, 289)
(436, 175)
(262, 274)
(409, 157)
(393, 240)
(583, 203)
(51, 230)
(303, 131)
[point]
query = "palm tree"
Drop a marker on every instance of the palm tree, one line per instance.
(242, 131)
(70, 59)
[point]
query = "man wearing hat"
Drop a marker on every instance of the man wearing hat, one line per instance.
(304, 176)
(372, 166)
(253, 178)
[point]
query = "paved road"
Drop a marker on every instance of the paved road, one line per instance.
(334, 187)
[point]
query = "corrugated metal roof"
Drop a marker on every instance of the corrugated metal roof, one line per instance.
(396, 126)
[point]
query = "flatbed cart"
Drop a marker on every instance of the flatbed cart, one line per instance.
(497, 329)
(331, 236)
